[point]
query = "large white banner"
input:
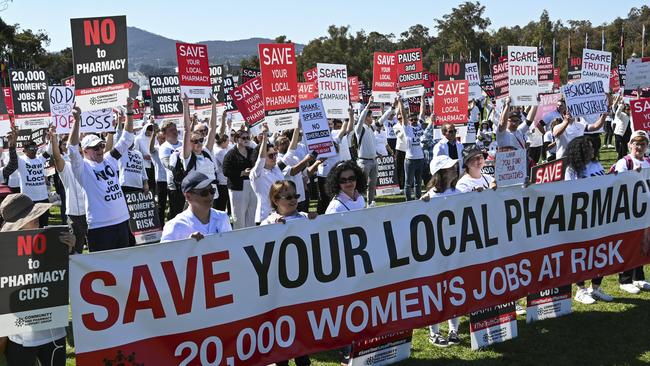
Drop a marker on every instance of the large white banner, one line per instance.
(269, 293)
(333, 89)
(522, 75)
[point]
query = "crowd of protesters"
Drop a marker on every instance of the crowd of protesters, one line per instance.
(208, 178)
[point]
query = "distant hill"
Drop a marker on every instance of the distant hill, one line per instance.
(151, 49)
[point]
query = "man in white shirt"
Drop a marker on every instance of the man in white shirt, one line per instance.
(449, 145)
(571, 128)
(172, 145)
(367, 151)
(511, 133)
(97, 173)
(199, 219)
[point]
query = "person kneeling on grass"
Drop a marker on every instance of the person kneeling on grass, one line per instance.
(199, 219)
(444, 175)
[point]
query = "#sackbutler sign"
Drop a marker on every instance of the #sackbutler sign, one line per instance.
(384, 77)
(522, 75)
(279, 85)
(333, 89)
(193, 70)
(100, 62)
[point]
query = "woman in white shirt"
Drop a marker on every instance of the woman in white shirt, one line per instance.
(265, 172)
(411, 135)
(444, 175)
(633, 280)
(621, 126)
(346, 183)
(473, 179)
(160, 172)
(284, 202)
(581, 164)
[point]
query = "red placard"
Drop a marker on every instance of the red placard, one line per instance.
(640, 114)
(429, 79)
(556, 78)
(9, 101)
(384, 77)
(69, 81)
(450, 101)
(553, 171)
(614, 81)
(409, 72)
(311, 74)
(279, 84)
(193, 70)
(249, 101)
(500, 79)
(354, 88)
(307, 90)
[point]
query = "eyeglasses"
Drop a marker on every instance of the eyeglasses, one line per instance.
(198, 141)
(272, 156)
(288, 197)
(350, 179)
(453, 130)
(31, 148)
(640, 144)
(245, 137)
(204, 192)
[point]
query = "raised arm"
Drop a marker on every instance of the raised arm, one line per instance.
(12, 165)
(152, 141)
(358, 126)
(559, 129)
(187, 122)
(295, 138)
(222, 126)
(503, 122)
(212, 127)
(59, 163)
(261, 157)
(598, 124)
(423, 104)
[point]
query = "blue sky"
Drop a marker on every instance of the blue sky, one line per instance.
(300, 21)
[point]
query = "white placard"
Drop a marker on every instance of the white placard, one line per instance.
(333, 89)
(510, 168)
(596, 65)
(522, 75)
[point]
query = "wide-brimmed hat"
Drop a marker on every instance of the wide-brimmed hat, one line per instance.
(441, 162)
(469, 154)
(18, 209)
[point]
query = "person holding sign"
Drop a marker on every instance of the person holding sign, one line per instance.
(511, 132)
(19, 213)
(633, 281)
(411, 134)
(199, 219)
(169, 147)
(265, 172)
(237, 165)
(473, 179)
(570, 128)
(97, 172)
(346, 183)
(581, 163)
(621, 126)
(367, 150)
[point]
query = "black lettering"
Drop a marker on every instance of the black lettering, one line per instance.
(392, 249)
(578, 210)
(512, 218)
(360, 250)
(428, 229)
(449, 215)
(335, 258)
(469, 219)
(303, 262)
(261, 267)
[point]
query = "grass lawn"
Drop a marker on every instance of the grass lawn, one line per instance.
(616, 333)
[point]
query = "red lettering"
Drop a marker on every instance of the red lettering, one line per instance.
(142, 275)
(29, 243)
(96, 33)
(107, 302)
(452, 69)
(182, 301)
(211, 279)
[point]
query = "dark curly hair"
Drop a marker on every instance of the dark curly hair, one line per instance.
(579, 153)
(334, 188)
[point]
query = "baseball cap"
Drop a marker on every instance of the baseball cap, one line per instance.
(195, 180)
(441, 162)
(641, 134)
(90, 141)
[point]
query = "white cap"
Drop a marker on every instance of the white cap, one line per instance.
(441, 162)
(90, 141)
(640, 133)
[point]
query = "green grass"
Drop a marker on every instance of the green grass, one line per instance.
(614, 333)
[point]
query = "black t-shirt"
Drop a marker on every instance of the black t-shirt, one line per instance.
(234, 163)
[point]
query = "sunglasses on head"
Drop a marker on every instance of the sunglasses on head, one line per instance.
(204, 192)
(350, 179)
(288, 197)
(198, 141)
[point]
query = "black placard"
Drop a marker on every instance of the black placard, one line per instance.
(165, 96)
(229, 86)
(451, 71)
(29, 92)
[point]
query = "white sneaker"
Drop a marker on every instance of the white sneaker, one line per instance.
(630, 288)
(599, 294)
(642, 285)
(372, 204)
(582, 296)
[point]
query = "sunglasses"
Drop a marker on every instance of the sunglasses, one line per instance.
(347, 180)
(31, 148)
(198, 141)
(452, 131)
(204, 192)
(98, 147)
(272, 156)
(245, 137)
(289, 197)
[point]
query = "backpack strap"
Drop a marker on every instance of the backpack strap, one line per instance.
(190, 164)
(628, 162)
(363, 131)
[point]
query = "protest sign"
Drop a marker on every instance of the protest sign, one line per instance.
(97, 121)
(574, 69)
(429, 79)
(556, 78)
(510, 168)
(166, 99)
(614, 82)
(451, 71)
(488, 168)
(471, 75)
(553, 171)
(33, 281)
(354, 89)
(279, 85)
(134, 89)
(522, 75)
(144, 222)
(193, 70)
(203, 106)
(316, 129)
(488, 85)
(100, 62)
(30, 99)
(298, 278)
(410, 80)
(640, 114)
(9, 101)
(5, 122)
(492, 325)
(547, 104)
(386, 179)
(450, 101)
(249, 101)
(333, 89)
(69, 81)
(311, 74)
(637, 74)
(228, 87)
(248, 74)
(585, 99)
(384, 77)
(386, 349)
(307, 90)
(548, 304)
(500, 79)
(38, 136)
(61, 106)
(545, 74)
(621, 75)
(596, 65)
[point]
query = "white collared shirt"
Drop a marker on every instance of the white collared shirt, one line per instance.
(185, 224)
